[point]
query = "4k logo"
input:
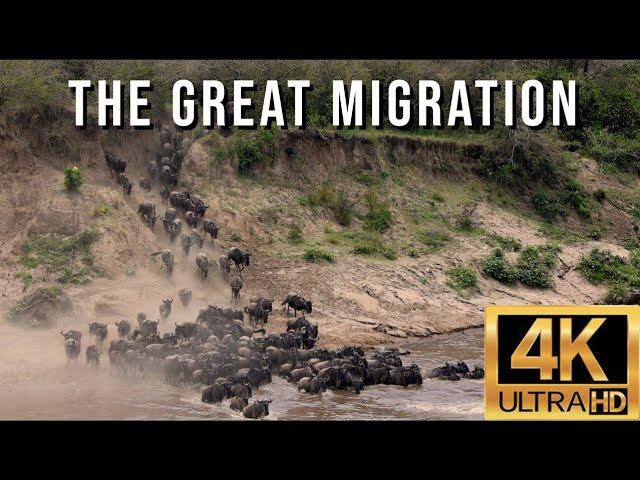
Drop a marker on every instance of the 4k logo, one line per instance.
(562, 362)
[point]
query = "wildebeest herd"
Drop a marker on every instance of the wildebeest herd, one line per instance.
(228, 358)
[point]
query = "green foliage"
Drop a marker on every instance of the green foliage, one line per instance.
(545, 206)
(295, 235)
(600, 195)
(73, 179)
(617, 294)
(314, 254)
(498, 267)
(254, 149)
(102, 211)
(506, 243)
(68, 257)
(533, 267)
(26, 277)
(601, 266)
(378, 217)
(461, 277)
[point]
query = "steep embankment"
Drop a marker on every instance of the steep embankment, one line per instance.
(303, 191)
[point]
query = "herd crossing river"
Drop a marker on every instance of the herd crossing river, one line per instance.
(36, 383)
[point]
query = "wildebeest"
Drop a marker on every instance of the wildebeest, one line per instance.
(192, 219)
(147, 212)
(164, 193)
(258, 409)
(298, 303)
(152, 169)
(187, 243)
(124, 182)
(185, 297)
(239, 258)
(148, 328)
(186, 330)
(197, 238)
(167, 177)
(169, 216)
(175, 228)
(447, 372)
(116, 164)
(93, 355)
(145, 184)
(225, 266)
(167, 259)
(124, 327)
(75, 334)
(72, 348)
(256, 314)
(216, 393)
(476, 374)
(238, 403)
(265, 304)
(202, 261)
(309, 332)
(165, 308)
(98, 330)
(210, 227)
(241, 390)
(236, 286)
(313, 385)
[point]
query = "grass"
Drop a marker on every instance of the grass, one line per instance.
(326, 196)
(294, 236)
(68, 257)
(314, 254)
(601, 266)
(533, 266)
(506, 243)
(433, 240)
(102, 211)
(378, 217)
(363, 243)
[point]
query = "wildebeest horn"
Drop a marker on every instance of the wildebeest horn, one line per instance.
(62, 333)
(176, 324)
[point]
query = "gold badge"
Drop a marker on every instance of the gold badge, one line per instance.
(562, 362)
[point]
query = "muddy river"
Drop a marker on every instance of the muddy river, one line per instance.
(35, 383)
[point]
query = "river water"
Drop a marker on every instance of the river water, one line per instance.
(36, 383)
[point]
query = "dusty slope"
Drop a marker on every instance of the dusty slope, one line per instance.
(358, 299)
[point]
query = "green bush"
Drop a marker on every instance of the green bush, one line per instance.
(378, 217)
(336, 201)
(506, 243)
(533, 268)
(313, 254)
(600, 195)
(461, 277)
(545, 206)
(600, 266)
(252, 150)
(498, 267)
(73, 179)
(295, 235)
(434, 240)
(616, 294)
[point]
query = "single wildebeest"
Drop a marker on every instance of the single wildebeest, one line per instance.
(236, 286)
(174, 229)
(167, 148)
(167, 177)
(185, 297)
(298, 303)
(164, 193)
(256, 314)
(72, 348)
(75, 334)
(167, 259)
(98, 330)
(192, 219)
(197, 238)
(216, 393)
(152, 169)
(265, 304)
(145, 184)
(238, 403)
(165, 135)
(239, 258)
(149, 328)
(186, 330)
(210, 227)
(116, 164)
(165, 308)
(93, 355)
(124, 327)
(124, 182)
(309, 332)
(202, 261)
(140, 318)
(225, 266)
(475, 374)
(448, 372)
(147, 212)
(258, 409)
(187, 243)
(241, 390)
(312, 385)
(169, 216)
